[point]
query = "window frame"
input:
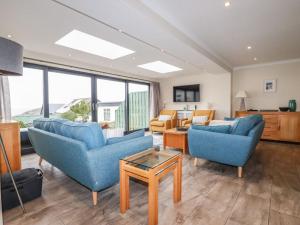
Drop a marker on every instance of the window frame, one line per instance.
(46, 69)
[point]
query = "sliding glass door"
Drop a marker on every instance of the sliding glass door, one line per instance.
(111, 106)
(138, 103)
(26, 95)
(69, 96)
(117, 105)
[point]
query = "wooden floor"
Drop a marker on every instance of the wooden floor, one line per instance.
(212, 195)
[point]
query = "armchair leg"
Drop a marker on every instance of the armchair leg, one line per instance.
(195, 161)
(40, 161)
(95, 197)
(240, 172)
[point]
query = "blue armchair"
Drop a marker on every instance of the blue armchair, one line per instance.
(232, 146)
(81, 151)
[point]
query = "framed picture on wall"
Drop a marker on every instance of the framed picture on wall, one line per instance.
(270, 86)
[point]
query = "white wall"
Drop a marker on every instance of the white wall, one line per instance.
(215, 92)
(251, 80)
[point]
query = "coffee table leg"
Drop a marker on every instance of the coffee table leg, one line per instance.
(124, 188)
(177, 181)
(152, 200)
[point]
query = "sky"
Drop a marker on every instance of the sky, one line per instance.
(26, 92)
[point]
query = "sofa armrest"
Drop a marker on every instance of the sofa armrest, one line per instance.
(154, 119)
(69, 155)
(104, 161)
(206, 123)
(136, 134)
(168, 124)
(225, 148)
(186, 122)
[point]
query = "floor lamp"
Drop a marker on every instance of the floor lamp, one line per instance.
(11, 64)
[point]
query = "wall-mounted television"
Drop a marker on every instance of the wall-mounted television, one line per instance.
(186, 93)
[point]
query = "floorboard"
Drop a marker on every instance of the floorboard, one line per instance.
(269, 194)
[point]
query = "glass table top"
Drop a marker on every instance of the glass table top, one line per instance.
(151, 158)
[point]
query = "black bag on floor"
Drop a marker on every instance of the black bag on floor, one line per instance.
(29, 182)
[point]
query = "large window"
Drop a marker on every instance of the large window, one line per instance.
(138, 99)
(111, 105)
(117, 105)
(69, 97)
(26, 93)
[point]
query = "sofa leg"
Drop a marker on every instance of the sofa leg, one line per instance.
(240, 172)
(95, 197)
(195, 161)
(40, 161)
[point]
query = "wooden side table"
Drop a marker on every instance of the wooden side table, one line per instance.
(176, 139)
(150, 166)
(10, 132)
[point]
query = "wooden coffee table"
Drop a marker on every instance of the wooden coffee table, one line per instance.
(176, 139)
(150, 166)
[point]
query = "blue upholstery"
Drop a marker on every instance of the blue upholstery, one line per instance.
(24, 134)
(136, 134)
(245, 124)
(228, 149)
(89, 133)
(230, 118)
(218, 129)
(96, 168)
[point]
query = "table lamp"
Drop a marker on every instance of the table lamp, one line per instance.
(242, 95)
(11, 64)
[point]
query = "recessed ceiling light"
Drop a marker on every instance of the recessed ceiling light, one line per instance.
(9, 36)
(160, 67)
(93, 45)
(249, 47)
(69, 54)
(255, 59)
(227, 4)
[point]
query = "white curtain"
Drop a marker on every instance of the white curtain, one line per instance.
(5, 110)
(155, 103)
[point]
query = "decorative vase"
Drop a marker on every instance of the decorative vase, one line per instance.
(292, 105)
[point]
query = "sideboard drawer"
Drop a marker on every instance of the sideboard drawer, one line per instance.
(271, 135)
(269, 119)
(271, 126)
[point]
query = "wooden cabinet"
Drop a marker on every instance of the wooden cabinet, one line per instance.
(279, 126)
(289, 127)
(10, 132)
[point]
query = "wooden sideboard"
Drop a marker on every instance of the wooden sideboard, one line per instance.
(10, 132)
(279, 126)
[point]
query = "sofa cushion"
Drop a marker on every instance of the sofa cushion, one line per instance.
(164, 117)
(199, 119)
(157, 123)
(245, 124)
(221, 122)
(136, 134)
(47, 124)
(89, 133)
(218, 129)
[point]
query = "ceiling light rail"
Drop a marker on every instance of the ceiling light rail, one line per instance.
(123, 32)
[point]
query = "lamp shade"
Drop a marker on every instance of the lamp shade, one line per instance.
(241, 94)
(11, 58)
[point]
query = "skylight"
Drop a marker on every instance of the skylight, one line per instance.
(160, 67)
(93, 45)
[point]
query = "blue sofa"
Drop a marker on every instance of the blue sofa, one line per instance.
(231, 145)
(81, 151)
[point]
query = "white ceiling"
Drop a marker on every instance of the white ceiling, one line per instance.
(194, 35)
(271, 27)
